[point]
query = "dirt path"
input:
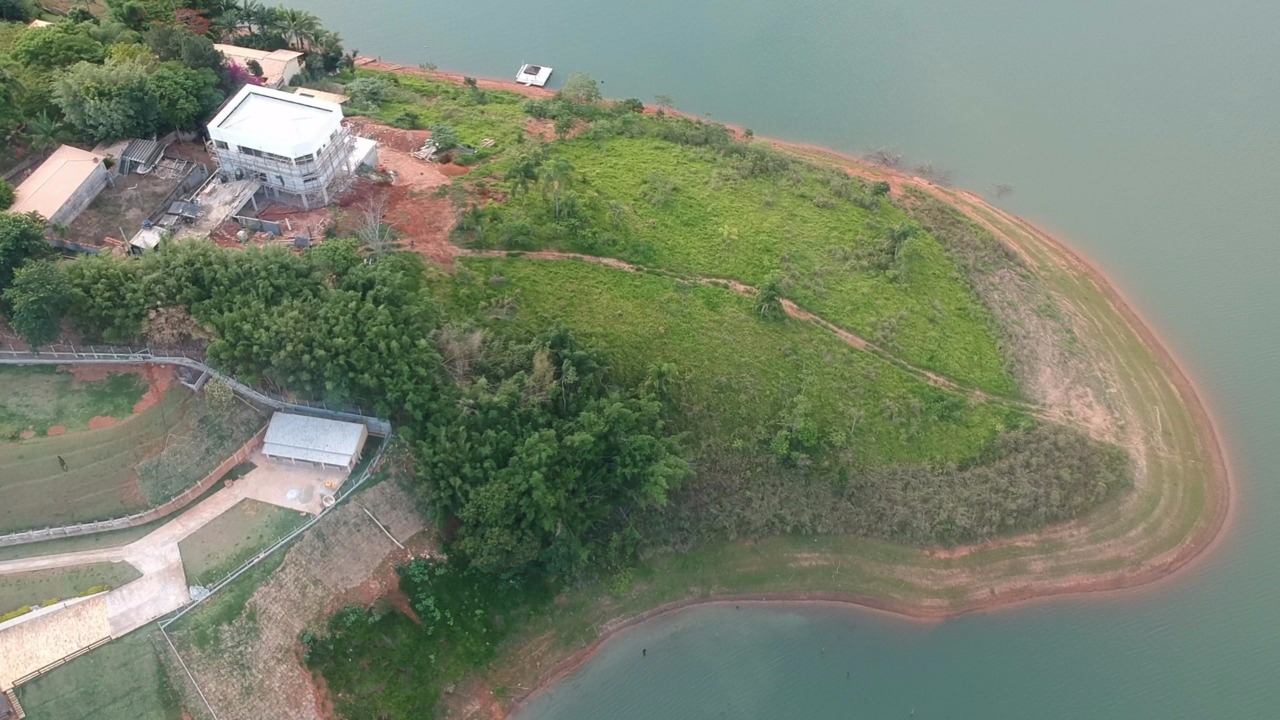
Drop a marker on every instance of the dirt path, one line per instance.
(793, 311)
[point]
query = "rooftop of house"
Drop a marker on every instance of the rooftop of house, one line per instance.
(335, 98)
(313, 439)
(55, 181)
(273, 63)
(273, 121)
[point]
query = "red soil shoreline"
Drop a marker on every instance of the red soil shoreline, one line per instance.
(1221, 491)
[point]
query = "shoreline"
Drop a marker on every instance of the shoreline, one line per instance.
(1205, 537)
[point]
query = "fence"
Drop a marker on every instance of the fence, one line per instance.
(139, 518)
(99, 354)
(346, 492)
(189, 358)
(193, 179)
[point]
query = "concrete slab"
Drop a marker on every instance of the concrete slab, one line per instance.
(297, 487)
(29, 646)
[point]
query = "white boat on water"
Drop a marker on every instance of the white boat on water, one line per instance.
(533, 75)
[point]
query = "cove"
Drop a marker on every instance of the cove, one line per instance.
(1142, 133)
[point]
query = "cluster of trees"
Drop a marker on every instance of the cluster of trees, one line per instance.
(145, 68)
(33, 291)
(527, 447)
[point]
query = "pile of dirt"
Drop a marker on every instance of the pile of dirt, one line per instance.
(389, 138)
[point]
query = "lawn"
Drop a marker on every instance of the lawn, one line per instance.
(100, 480)
(47, 586)
(139, 462)
(233, 537)
(695, 211)
(737, 374)
(122, 680)
(474, 114)
(39, 397)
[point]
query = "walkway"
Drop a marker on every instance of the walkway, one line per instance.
(40, 641)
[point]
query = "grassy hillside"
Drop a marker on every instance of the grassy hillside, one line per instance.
(837, 249)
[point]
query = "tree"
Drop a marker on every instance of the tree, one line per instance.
(6, 195)
(254, 67)
(108, 102)
(17, 10)
(664, 101)
(170, 42)
(579, 89)
(556, 177)
(36, 301)
(21, 239)
(374, 232)
(543, 464)
(57, 46)
(299, 27)
(45, 132)
(444, 137)
(368, 92)
(183, 95)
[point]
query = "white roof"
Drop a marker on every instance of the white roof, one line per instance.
(336, 98)
(277, 122)
(274, 64)
(312, 439)
(55, 181)
(535, 75)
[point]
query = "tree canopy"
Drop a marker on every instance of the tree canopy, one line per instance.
(21, 239)
(57, 46)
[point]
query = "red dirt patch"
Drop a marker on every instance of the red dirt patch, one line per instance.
(26, 434)
(98, 422)
(56, 430)
(451, 170)
(158, 379)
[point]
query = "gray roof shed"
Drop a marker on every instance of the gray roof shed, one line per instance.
(314, 440)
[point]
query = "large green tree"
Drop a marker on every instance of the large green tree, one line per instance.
(128, 99)
(543, 464)
(36, 301)
(57, 46)
(21, 239)
(183, 95)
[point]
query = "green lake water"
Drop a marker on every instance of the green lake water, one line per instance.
(1145, 133)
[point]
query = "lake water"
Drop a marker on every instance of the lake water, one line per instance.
(1146, 133)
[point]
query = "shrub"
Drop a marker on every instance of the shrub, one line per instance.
(368, 91)
(444, 137)
(6, 195)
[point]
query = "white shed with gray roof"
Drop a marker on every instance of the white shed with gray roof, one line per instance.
(300, 438)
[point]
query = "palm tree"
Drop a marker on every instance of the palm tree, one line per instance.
(556, 177)
(45, 132)
(299, 27)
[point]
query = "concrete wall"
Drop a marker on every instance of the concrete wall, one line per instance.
(83, 195)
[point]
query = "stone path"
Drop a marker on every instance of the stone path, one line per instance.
(35, 643)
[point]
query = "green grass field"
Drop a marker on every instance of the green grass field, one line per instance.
(37, 588)
(691, 210)
(737, 373)
(100, 480)
(476, 115)
(250, 527)
(122, 680)
(40, 397)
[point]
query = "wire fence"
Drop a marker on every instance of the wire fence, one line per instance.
(192, 358)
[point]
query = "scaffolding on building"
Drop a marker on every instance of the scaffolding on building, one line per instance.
(286, 178)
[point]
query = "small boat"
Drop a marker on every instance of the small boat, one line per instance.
(533, 75)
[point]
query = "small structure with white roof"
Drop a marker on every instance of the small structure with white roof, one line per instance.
(533, 75)
(303, 439)
(278, 66)
(294, 145)
(63, 186)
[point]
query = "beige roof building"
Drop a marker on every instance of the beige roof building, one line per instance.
(278, 66)
(335, 98)
(62, 186)
(39, 24)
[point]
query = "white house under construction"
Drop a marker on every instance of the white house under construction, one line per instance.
(295, 146)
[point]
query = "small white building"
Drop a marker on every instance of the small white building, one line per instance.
(278, 66)
(63, 186)
(317, 441)
(294, 145)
